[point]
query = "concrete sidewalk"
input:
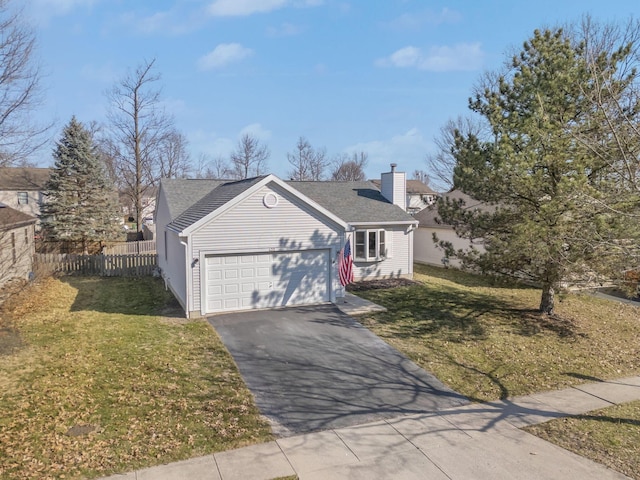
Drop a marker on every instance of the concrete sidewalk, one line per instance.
(477, 441)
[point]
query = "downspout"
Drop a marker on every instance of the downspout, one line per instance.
(188, 274)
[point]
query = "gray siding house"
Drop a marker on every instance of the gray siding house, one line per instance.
(17, 246)
(264, 242)
(21, 188)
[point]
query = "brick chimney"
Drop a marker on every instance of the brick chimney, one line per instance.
(394, 187)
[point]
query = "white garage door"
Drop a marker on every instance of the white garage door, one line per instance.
(241, 282)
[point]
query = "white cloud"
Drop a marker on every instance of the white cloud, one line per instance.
(223, 55)
(216, 145)
(460, 57)
(240, 8)
(211, 143)
(256, 130)
(407, 150)
(43, 10)
(175, 21)
(415, 21)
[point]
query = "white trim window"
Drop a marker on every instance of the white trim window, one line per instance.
(371, 245)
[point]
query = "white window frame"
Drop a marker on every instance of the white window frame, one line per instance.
(381, 249)
(23, 198)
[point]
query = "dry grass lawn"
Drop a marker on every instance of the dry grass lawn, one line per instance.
(610, 436)
(487, 340)
(98, 375)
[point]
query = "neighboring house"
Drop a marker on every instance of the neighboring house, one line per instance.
(419, 195)
(17, 247)
(263, 242)
(425, 250)
(148, 202)
(21, 188)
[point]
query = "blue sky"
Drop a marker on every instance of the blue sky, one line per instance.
(349, 75)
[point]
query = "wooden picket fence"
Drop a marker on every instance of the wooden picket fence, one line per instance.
(102, 265)
(129, 248)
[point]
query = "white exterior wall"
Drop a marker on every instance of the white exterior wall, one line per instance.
(426, 251)
(250, 227)
(170, 255)
(398, 264)
(393, 186)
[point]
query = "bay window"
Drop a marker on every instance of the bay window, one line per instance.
(370, 245)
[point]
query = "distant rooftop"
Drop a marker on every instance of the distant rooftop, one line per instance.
(23, 178)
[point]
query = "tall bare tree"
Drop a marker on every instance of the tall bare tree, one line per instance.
(217, 167)
(173, 157)
(307, 163)
(20, 89)
(350, 168)
(138, 127)
(250, 157)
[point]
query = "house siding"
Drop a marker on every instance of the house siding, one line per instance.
(399, 263)
(17, 249)
(251, 227)
(32, 207)
(426, 251)
(171, 254)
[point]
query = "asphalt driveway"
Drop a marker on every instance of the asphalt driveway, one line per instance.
(315, 368)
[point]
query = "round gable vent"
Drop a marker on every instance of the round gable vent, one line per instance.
(270, 200)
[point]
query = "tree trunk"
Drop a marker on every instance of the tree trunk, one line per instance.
(547, 302)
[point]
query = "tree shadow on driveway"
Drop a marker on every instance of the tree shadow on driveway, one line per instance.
(315, 368)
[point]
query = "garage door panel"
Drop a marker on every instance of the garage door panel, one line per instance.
(239, 282)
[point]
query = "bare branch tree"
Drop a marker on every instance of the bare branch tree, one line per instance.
(20, 90)
(173, 157)
(615, 91)
(350, 168)
(250, 157)
(217, 168)
(138, 128)
(307, 162)
(422, 176)
(442, 162)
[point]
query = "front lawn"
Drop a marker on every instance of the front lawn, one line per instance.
(610, 436)
(487, 341)
(100, 375)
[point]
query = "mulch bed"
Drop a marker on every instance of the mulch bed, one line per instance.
(380, 284)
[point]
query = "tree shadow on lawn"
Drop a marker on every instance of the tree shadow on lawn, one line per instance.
(458, 315)
(468, 279)
(128, 296)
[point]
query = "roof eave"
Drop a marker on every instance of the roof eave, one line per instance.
(401, 222)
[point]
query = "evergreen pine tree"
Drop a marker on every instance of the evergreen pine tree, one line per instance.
(79, 204)
(560, 211)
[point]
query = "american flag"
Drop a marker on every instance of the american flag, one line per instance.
(345, 264)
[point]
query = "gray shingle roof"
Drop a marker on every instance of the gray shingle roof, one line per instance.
(428, 217)
(353, 202)
(183, 193)
(11, 218)
(214, 199)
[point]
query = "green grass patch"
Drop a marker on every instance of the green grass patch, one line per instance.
(486, 339)
(107, 378)
(609, 436)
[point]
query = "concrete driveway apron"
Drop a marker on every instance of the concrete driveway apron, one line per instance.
(314, 368)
